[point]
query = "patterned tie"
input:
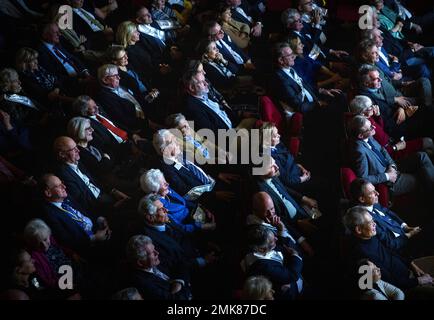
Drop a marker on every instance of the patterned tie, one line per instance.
(119, 132)
(197, 173)
(78, 217)
(92, 19)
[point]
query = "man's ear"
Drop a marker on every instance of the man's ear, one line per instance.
(142, 264)
(361, 199)
(149, 218)
(358, 230)
(47, 193)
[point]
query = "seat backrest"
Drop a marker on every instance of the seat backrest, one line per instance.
(347, 176)
(296, 124)
(270, 113)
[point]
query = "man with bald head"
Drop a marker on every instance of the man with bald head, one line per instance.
(265, 215)
(82, 187)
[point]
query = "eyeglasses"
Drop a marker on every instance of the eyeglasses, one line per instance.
(114, 75)
(292, 56)
(218, 32)
(372, 127)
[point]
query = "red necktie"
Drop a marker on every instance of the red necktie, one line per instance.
(119, 132)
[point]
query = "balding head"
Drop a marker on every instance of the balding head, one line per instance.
(66, 150)
(263, 206)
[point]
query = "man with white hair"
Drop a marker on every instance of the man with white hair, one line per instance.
(151, 282)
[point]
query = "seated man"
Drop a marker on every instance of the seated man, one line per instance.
(175, 245)
(83, 189)
(152, 283)
(265, 215)
(120, 104)
(73, 228)
(250, 14)
(391, 229)
(282, 269)
(372, 162)
(364, 243)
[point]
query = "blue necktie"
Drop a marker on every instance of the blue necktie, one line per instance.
(378, 153)
(78, 217)
(197, 173)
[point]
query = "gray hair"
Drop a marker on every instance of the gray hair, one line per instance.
(256, 287)
(35, 229)
(106, 70)
(277, 52)
(6, 76)
(136, 248)
(288, 16)
(146, 205)
(364, 71)
(80, 105)
(77, 128)
(354, 217)
(160, 140)
(173, 120)
(360, 103)
(356, 126)
(150, 181)
(258, 237)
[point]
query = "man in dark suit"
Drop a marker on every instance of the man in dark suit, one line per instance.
(394, 107)
(295, 94)
(282, 268)
(204, 111)
(372, 162)
(56, 59)
(71, 226)
(119, 103)
(83, 188)
(364, 243)
(391, 229)
(152, 283)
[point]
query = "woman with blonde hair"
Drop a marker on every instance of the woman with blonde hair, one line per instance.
(258, 288)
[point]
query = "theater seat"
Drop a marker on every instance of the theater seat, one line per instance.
(270, 113)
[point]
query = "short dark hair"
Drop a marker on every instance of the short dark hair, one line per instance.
(356, 188)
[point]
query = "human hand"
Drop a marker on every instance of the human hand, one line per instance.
(393, 175)
(400, 116)
(6, 119)
(396, 76)
(175, 287)
(376, 110)
(257, 30)
(411, 110)
(402, 101)
(401, 145)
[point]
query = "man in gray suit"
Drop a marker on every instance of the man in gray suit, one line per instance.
(372, 162)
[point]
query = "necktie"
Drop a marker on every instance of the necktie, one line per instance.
(119, 132)
(128, 96)
(91, 19)
(197, 173)
(65, 59)
(378, 153)
(299, 81)
(78, 217)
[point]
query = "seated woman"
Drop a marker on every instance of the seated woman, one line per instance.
(380, 290)
(313, 71)
(37, 81)
(48, 256)
(239, 32)
(179, 209)
(101, 164)
(362, 105)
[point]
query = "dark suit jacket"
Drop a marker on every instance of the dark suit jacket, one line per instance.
(121, 111)
(279, 206)
(226, 54)
(366, 163)
(289, 171)
(102, 138)
(152, 287)
(204, 117)
(77, 189)
(288, 91)
(279, 274)
(50, 63)
(388, 225)
(69, 233)
(394, 268)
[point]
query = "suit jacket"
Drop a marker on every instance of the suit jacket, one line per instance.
(279, 274)
(152, 287)
(50, 63)
(102, 138)
(67, 232)
(206, 118)
(77, 189)
(394, 268)
(227, 55)
(288, 91)
(121, 111)
(389, 225)
(366, 163)
(293, 197)
(289, 171)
